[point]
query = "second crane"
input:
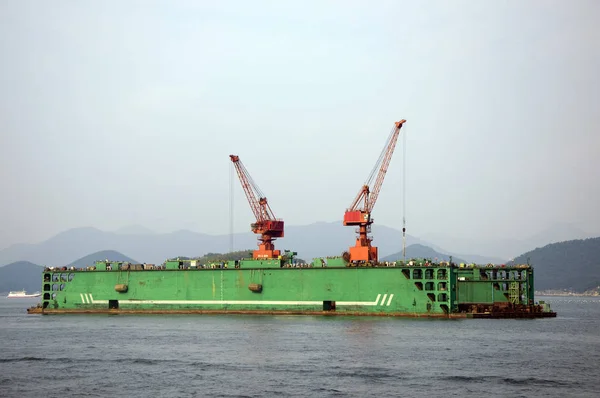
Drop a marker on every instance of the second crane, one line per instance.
(359, 213)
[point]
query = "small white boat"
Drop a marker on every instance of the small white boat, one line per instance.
(23, 294)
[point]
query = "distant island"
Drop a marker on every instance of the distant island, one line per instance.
(564, 293)
(26, 275)
(570, 266)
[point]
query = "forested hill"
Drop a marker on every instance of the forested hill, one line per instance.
(21, 275)
(574, 264)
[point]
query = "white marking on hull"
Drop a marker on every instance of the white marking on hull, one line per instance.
(97, 301)
(87, 298)
(209, 302)
(389, 300)
(234, 302)
(383, 299)
(377, 299)
(366, 303)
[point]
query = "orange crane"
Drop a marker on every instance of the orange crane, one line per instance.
(266, 224)
(359, 213)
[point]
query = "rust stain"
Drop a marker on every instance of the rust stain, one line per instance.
(240, 279)
(38, 310)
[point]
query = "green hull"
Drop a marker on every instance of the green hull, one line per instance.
(264, 287)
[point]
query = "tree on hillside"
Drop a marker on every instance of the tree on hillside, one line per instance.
(216, 257)
(571, 265)
(231, 256)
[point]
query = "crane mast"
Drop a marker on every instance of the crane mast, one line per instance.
(359, 213)
(267, 226)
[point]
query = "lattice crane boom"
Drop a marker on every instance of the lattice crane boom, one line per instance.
(359, 212)
(267, 225)
(383, 166)
(258, 203)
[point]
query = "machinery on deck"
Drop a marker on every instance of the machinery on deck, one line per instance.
(266, 224)
(359, 213)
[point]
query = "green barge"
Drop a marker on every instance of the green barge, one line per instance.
(272, 282)
(327, 286)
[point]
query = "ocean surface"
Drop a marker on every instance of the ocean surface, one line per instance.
(256, 356)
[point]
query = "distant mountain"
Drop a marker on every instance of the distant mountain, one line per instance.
(421, 251)
(501, 250)
(75, 243)
(469, 258)
(309, 241)
(333, 238)
(559, 232)
(110, 255)
(134, 230)
(571, 265)
(474, 258)
(28, 276)
(574, 264)
(21, 275)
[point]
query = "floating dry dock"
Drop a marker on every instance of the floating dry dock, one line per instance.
(327, 286)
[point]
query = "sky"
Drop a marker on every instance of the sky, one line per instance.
(120, 113)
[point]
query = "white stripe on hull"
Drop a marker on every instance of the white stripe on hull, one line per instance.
(87, 298)
(377, 299)
(390, 300)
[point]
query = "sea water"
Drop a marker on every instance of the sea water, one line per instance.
(305, 356)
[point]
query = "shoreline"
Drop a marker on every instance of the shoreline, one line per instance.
(567, 294)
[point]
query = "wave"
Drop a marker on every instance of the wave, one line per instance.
(138, 361)
(524, 381)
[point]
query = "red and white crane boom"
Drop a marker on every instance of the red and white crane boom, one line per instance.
(267, 225)
(359, 212)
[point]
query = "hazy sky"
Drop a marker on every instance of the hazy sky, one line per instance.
(115, 113)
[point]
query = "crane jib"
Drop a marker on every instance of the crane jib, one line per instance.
(357, 215)
(266, 225)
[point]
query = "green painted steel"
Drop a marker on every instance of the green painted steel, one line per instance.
(484, 285)
(376, 290)
(415, 288)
